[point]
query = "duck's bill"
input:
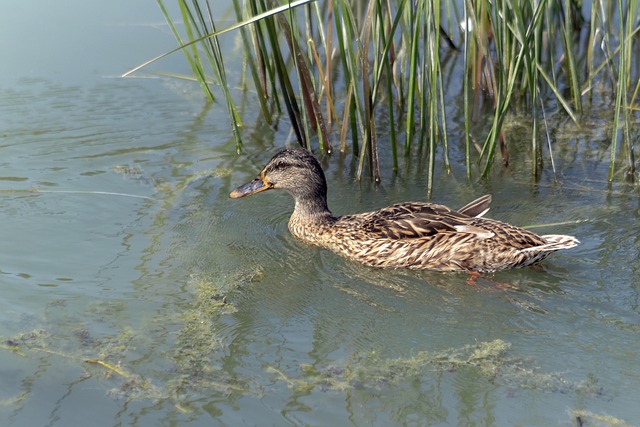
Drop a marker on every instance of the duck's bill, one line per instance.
(253, 187)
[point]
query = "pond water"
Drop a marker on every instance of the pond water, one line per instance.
(135, 292)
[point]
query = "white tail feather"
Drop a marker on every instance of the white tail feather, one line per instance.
(554, 242)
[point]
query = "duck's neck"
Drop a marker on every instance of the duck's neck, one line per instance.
(311, 208)
(310, 218)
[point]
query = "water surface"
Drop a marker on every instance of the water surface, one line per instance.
(135, 292)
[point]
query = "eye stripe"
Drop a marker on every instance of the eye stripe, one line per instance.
(280, 166)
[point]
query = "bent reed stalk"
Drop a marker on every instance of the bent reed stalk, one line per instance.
(353, 71)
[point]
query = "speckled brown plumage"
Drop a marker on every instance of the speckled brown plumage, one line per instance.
(405, 235)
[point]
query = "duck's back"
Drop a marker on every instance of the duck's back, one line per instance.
(435, 237)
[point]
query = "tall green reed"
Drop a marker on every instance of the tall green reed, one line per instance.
(198, 23)
(354, 71)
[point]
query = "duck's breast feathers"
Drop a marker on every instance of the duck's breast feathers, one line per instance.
(411, 220)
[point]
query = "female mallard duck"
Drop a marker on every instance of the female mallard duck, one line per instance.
(406, 235)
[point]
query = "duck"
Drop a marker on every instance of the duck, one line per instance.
(409, 235)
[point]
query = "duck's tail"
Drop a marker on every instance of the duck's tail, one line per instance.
(478, 207)
(554, 242)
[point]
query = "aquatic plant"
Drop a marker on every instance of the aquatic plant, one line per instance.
(491, 359)
(355, 71)
(195, 358)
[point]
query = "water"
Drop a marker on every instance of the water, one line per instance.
(135, 292)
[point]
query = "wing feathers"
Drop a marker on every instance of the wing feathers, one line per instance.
(415, 220)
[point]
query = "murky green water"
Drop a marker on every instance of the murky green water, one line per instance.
(134, 292)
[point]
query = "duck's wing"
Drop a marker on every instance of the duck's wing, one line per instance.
(416, 220)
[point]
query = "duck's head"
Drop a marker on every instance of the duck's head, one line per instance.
(295, 171)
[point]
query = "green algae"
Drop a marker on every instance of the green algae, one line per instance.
(492, 360)
(110, 357)
(192, 356)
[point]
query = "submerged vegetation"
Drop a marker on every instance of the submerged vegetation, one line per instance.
(492, 360)
(380, 75)
(193, 363)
